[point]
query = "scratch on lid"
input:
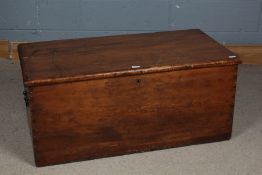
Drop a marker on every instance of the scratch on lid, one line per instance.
(232, 56)
(135, 67)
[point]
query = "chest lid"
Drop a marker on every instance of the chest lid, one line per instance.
(111, 56)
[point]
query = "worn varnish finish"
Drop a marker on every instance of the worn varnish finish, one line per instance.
(104, 57)
(85, 100)
(250, 54)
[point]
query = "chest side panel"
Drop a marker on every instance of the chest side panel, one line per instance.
(99, 118)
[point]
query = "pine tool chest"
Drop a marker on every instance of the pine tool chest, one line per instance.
(106, 96)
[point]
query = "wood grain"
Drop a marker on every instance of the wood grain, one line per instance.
(72, 60)
(85, 100)
(249, 54)
(107, 117)
(4, 50)
(14, 51)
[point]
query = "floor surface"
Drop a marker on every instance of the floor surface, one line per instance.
(242, 155)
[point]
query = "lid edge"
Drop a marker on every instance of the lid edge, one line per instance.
(114, 74)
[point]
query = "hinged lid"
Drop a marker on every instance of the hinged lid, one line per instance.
(103, 57)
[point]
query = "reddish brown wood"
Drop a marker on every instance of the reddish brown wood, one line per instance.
(90, 119)
(109, 109)
(105, 57)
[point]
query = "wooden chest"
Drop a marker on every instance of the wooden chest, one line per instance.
(99, 97)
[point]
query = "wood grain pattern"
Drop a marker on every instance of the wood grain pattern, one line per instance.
(74, 60)
(99, 118)
(85, 100)
(13, 54)
(4, 49)
(250, 54)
